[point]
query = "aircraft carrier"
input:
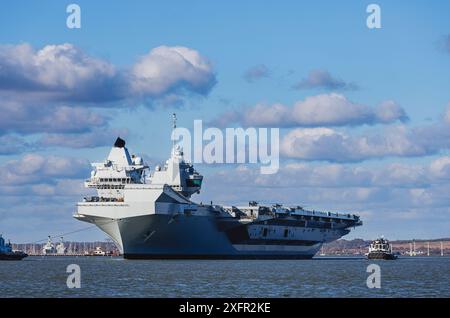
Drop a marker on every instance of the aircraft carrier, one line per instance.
(152, 216)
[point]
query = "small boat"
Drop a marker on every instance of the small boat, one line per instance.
(97, 252)
(7, 253)
(49, 248)
(381, 249)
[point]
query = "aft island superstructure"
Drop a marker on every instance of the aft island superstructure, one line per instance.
(153, 216)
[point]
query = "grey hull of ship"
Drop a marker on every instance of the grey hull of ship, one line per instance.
(161, 236)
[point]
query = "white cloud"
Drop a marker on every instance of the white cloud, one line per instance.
(390, 187)
(31, 118)
(322, 79)
(55, 71)
(330, 109)
(49, 91)
(263, 115)
(65, 73)
(10, 145)
(389, 112)
(335, 146)
(61, 187)
(440, 168)
(309, 175)
(91, 139)
(402, 176)
(35, 168)
(319, 110)
(165, 69)
(256, 72)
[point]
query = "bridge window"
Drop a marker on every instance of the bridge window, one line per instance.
(265, 232)
(193, 182)
(286, 232)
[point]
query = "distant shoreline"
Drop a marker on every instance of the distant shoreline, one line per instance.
(339, 248)
(421, 247)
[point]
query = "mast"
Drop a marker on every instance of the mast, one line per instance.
(174, 126)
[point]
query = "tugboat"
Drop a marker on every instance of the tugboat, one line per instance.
(381, 249)
(7, 253)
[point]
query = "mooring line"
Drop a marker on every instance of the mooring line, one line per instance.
(69, 233)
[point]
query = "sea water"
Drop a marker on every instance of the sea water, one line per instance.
(319, 277)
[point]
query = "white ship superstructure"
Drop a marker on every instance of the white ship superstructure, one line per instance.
(61, 248)
(49, 248)
(381, 249)
(154, 217)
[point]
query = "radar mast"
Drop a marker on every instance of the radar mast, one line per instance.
(174, 126)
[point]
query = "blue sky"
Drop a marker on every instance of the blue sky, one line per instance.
(381, 96)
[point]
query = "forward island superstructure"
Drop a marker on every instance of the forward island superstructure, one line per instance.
(153, 216)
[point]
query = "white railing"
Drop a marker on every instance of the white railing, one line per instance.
(295, 211)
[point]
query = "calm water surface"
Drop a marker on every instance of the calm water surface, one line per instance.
(322, 277)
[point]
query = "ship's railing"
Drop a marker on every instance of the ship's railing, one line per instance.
(101, 199)
(326, 214)
(296, 211)
(279, 210)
